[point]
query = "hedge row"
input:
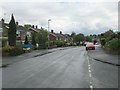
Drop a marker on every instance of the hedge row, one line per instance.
(113, 44)
(12, 50)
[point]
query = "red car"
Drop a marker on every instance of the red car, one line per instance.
(90, 46)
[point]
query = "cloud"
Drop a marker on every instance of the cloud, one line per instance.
(81, 17)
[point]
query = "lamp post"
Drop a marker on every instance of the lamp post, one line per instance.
(48, 31)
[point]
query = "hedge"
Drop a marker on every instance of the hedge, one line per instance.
(113, 44)
(12, 50)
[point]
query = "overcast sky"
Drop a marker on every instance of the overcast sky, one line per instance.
(80, 17)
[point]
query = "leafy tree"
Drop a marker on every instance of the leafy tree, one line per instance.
(79, 38)
(108, 33)
(113, 44)
(73, 34)
(27, 26)
(26, 40)
(33, 40)
(88, 39)
(41, 38)
(12, 32)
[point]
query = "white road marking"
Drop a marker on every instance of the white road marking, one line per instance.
(90, 74)
(91, 87)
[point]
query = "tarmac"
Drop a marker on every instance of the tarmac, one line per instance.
(8, 60)
(98, 54)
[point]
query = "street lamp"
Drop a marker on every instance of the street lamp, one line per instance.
(48, 31)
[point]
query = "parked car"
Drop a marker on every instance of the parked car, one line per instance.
(90, 46)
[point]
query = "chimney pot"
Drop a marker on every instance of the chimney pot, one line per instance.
(60, 32)
(16, 23)
(32, 26)
(52, 31)
(36, 26)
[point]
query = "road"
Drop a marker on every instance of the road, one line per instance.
(69, 68)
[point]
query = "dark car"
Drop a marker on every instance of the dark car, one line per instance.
(90, 46)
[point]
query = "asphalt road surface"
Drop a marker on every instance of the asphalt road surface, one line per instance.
(69, 68)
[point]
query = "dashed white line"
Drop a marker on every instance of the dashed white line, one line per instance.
(91, 87)
(89, 71)
(90, 74)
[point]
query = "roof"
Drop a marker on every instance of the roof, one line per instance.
(54, 34)
(60, 35)
(20, 27)
(33, 30)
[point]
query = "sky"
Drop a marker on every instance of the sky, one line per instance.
(73, 16)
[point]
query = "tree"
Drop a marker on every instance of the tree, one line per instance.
(108, 33)
(79, 38)
(27, 26)
(73, 34)
(26, 40)
(33, 40)
(88, 39)
(41, 38)
(12, 32)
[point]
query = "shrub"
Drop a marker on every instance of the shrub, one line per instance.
(113, 44)
(60, 43)
(12, 50)
(103, 41)
(4, 41)
(69, 44)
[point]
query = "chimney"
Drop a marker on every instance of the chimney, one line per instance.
(60, 32)
(32, 26)
(52, 31)
(16, 23)
(36, 27)
(3, 21)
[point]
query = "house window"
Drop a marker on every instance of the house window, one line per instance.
(28, 34)
(1, 30)
(18, 33)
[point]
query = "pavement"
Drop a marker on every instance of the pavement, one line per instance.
(100, 55)
(13, 59)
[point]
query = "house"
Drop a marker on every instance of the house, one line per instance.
(21, 32)
(1, 29)
(52, 36)
(59, 36)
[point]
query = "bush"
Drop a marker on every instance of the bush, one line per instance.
(60, 43)
(4, 41)
(68, 44)
(113, 44)
(12, 50)
(103, 41)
